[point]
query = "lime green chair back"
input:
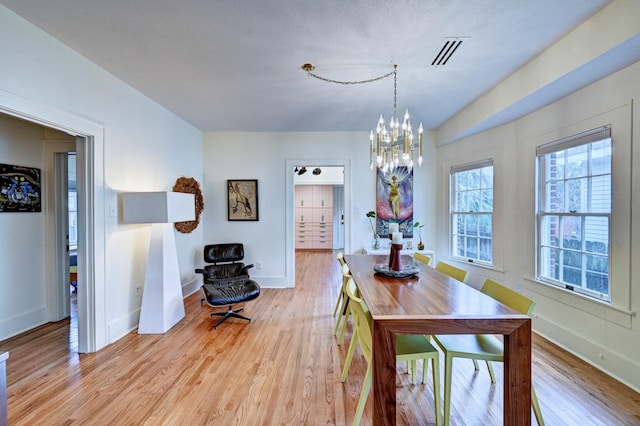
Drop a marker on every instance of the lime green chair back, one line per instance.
(362, 318)
(508, 297)
(341, 296)
(362, 335)
(422, 258)
(345, 312)
(457, 273)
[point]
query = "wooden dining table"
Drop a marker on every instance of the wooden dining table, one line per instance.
(431, 302)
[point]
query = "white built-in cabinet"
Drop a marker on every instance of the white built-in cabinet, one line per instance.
(314, 216)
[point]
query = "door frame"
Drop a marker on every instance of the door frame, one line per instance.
(92, 326)
(290, 248)
(57, 225)
(338, 219)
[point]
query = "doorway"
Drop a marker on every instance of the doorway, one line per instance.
(345, 219)
(92, 328)
(63, 234)
(319, 207)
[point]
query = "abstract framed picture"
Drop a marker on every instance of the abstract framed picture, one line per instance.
(242, 200)
(394, 200)
(19, 189)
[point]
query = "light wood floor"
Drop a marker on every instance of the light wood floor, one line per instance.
(281, 369)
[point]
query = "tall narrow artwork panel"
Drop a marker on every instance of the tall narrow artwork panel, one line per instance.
(394, 201)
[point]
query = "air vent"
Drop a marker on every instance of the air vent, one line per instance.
(447, 51)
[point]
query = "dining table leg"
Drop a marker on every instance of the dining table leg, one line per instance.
(517, 376)
(383, 387)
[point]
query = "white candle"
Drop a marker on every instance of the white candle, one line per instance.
(396, 238)
(393, 227)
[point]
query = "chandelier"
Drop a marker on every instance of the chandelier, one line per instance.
(390, 147)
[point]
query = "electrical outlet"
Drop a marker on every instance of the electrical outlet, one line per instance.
(519, 286)
(138, 291)
(258, 265)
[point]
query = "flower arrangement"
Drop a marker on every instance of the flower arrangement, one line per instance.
(418, 226)
(372, 215)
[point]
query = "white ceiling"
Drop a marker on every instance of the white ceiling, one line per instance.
(236, 65)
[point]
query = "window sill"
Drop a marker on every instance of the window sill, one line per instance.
(604, 310)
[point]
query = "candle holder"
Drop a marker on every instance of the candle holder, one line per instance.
(395, 259)
(391, 249)
(391, 252)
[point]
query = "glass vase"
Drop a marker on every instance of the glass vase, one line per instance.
(375, 242)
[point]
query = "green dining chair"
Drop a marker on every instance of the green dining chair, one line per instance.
(408, 348)
(345, 313)
(341, 295)
(483, 346)
(422, 258)
(457, 273)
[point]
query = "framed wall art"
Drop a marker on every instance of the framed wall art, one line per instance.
(242, 200)
(394, 200)
(19, 189)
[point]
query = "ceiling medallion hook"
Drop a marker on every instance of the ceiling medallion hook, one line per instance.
(308, 67)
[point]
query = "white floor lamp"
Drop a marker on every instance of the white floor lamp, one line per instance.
(162, 301)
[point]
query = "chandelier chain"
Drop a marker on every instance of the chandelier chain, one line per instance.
(371, 80)
(395, 90)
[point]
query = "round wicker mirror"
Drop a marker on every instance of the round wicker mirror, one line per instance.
(190, 186)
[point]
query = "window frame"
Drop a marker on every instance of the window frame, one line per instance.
(73, 218)
(584, 139)
(453, 196)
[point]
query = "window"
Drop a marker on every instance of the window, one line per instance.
(72, 197)
(73, 219)
(472, 212)
(574, 212)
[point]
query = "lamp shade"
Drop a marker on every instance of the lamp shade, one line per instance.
(157, 207)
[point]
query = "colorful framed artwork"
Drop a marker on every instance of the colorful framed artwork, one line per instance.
(242, 200)
(394, 200)
(19, 189)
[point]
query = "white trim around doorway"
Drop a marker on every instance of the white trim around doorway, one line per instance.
(92, 334)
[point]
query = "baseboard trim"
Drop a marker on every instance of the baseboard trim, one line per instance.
(22, 323)
(619, 368)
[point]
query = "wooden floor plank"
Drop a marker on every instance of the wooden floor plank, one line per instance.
(282, 368)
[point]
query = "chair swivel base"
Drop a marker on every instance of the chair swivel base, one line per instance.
(231, 313)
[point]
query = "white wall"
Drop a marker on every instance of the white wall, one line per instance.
(142, 147)
(263, 156)
(608, 336)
